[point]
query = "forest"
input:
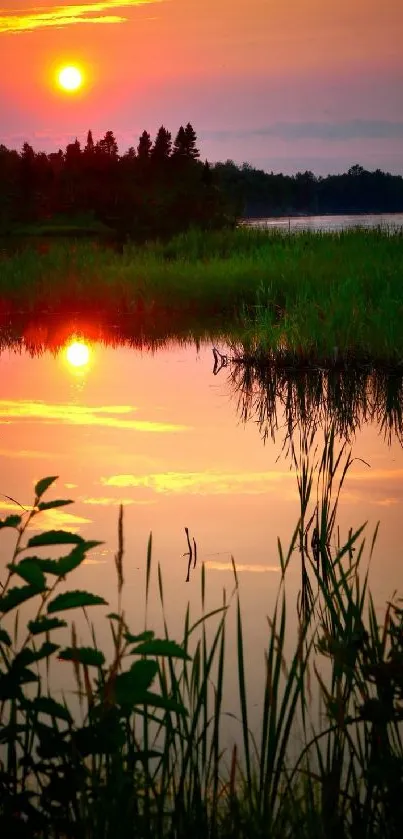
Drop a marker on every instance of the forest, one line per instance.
(161, 187)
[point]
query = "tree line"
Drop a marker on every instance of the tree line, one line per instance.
(161, 187)
(257, 193)
(158, 188)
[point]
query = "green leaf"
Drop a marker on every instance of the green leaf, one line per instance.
(148, 635)
(5, 638)
(50, 505)
(83, 655)
(45, 625)
(74, 600)
(15, 596)
(161, 647)
(54, 537)
(131, 687)
(31, 572)
(44, 484)
(103, 737)
(28, 656)
(47, 705)
(68, 563)
(11, 521)
(62, 566)
(164, 702)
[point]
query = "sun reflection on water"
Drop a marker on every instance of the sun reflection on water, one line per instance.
(78, 354)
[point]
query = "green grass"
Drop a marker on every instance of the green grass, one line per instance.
(309, 298)
(145, 757)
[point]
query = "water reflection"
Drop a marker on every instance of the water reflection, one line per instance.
(77, 354)
(282, 400)
(152, 428)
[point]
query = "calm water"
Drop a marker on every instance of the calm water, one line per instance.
(161, 434)
(389, 221)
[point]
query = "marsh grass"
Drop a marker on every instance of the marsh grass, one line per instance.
(147, 758)
(312, 297)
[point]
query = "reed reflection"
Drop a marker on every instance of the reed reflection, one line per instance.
(283, 400)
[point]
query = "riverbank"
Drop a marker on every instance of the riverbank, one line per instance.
(308, 298)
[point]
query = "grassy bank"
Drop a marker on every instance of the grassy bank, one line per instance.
(314, 298)
(146, 758)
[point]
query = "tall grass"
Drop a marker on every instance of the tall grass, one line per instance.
(147, 756)
(314, 296)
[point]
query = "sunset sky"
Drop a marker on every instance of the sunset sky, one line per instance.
(286, 86)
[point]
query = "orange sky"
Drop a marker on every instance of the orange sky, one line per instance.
(285, 86)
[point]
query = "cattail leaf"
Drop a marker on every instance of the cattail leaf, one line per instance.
(74, 600)
(45, 625)
(55, 537)
(10, 521)
(161, 647)
(83, 655)
(47, 705)
(44, 484)
(15, 596)
(50, 505)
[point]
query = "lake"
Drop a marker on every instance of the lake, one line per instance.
(181, 447)
(330, 223)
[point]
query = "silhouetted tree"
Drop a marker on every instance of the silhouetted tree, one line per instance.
(190, 142)
(144, 147)
(89, 146)
(162, 147)
(108, 145)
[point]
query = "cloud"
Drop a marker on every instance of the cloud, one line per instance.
(254, 569)
(73, 13)
(57, 519)
(107, 501)
(47, 520)
(30, 454)
(82, 415)
(338, 131)
(201, 483)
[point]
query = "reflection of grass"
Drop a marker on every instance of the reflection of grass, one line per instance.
(313, 297)
(59, 226)
(280, 399)
(143, 756)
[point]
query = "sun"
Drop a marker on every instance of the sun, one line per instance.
(78, 354)
(70, 78)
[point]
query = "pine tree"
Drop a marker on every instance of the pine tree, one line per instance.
(162, 147)
(89, 146)
(185, 143)
(191, 148)
(108, 145)
(144, 146)
(179, 149)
